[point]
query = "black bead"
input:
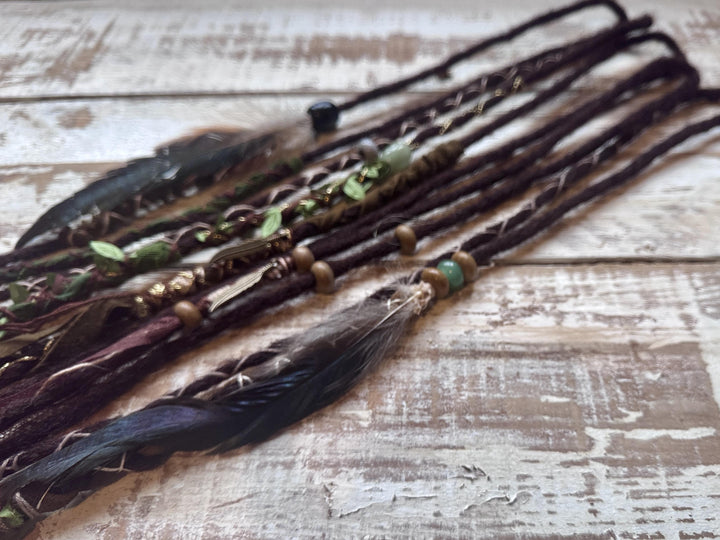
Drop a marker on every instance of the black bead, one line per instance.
(324, 115)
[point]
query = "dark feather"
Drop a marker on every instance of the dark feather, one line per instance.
(177, 427)
(200, 156)
(313, 370)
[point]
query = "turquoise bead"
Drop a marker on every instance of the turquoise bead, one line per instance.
(397, 155)
(453, 272)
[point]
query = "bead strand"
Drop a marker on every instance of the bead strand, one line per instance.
(450, 275)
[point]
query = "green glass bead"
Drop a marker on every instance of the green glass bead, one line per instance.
(397, 155)
(453, 272)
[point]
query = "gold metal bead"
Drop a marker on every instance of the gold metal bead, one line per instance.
(408, 241)
(467, 265)
(282, 241)
(188, 313)
(140, 307)
(182, 283)
(437, 280)
(303, 258)
(158, 289)
(324, 277)
(199, 275)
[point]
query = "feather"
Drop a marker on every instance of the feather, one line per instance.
(241, 285)
(173, 164)
(250, 248)
(304, 374)
(176, 427)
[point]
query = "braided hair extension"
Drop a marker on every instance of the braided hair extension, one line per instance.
(504, 152)
(504, 82)
(444, 201)
(325, 117)
(324, 365)
(12, 369)
(27, 398)
(408, 179)
(43, 298)
(246, 400)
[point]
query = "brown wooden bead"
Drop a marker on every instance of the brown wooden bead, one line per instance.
(437, 280)
(467, 265)
(188, 313)
(406, 237)
(303, 258)
(324, 277)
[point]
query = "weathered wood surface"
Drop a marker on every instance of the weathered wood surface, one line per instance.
(573, 390)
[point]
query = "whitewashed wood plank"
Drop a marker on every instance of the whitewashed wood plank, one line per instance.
(102, 48)
(542, 401)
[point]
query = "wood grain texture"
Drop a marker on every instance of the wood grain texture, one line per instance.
(571, 392)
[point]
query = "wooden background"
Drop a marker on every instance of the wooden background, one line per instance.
(573, 390)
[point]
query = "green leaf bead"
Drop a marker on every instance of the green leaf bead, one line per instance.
(453, 272)
(202, 236)
(107, 267)
(107, 250)
(151, 257)
(372, 172)
(353, 189)
(397, 155)
(224, 228)
(18, 293)
(13, 518)
(75, 288)
(272, 222)
(307, 207)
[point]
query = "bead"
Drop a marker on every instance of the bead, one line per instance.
(199, 274)
(188, 314)
(397, 155)
(140, 307)
(324, 116)
(368, 150)
(408, 241)
(182, 283)
(303, 258)
(453, 272)
(438, 280)
(214, 272)
(324, 277)
(467, 265)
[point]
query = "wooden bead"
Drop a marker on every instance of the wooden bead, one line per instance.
(406, 237)
(324, 277)
(188, 314)
(437, 280)
(303, 258)
(467, 264)
(368, 150)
